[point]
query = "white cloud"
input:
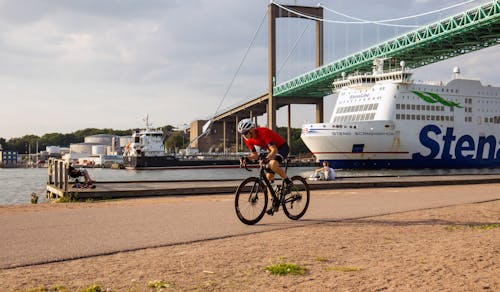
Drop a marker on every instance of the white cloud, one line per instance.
(108, 63)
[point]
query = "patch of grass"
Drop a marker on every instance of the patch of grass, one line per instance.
(453, 227)
(321, 259)
(160, 284)
(93, 288)
(55, 288)
(34, 198)
(489, 226)
(285, 269)
(343, 269)
(68, 198)
(486, 226)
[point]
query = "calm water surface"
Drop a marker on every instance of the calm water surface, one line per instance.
(17, 185)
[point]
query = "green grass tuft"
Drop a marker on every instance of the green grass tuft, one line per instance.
(93, 288)
(489, 226)
(285, 269)
(343, 269)
(160, 284)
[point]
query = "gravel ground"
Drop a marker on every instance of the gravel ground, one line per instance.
(444, 249)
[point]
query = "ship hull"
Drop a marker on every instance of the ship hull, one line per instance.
(170, 162)
(378, 144)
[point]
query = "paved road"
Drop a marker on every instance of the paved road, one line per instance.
(81, 230)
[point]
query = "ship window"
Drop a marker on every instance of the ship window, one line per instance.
(413, 117)
(407, 106)
(433, 108)
(358, 148)
(418, 117)
(407, 117)
(413, 107)
(372, 116)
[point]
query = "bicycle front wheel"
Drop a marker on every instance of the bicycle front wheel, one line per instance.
(251, 200)
(296, 202)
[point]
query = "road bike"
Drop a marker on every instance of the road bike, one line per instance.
(251, 197)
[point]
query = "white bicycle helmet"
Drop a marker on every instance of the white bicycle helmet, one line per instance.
(245, 125)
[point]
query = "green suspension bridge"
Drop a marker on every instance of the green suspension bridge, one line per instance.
(462, 33)
(472, 30)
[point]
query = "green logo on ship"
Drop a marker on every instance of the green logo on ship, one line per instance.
(433, 98)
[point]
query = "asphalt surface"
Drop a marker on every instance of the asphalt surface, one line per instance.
(30, 237)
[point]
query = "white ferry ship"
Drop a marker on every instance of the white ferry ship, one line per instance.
(385, 120)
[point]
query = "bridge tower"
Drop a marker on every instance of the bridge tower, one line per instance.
(274, 12)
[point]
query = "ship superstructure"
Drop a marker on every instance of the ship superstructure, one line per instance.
(386, 120)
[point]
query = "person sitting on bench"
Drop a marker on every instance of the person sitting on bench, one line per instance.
(78, 172)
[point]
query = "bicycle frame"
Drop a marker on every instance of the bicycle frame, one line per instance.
(263, 177)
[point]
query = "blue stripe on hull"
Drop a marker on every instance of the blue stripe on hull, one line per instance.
(412, 163)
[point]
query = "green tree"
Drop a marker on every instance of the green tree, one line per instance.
(176, 140)
(296, 144)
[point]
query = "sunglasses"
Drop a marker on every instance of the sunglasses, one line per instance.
(244, 133)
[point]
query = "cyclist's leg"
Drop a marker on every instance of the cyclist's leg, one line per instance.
(275, 166)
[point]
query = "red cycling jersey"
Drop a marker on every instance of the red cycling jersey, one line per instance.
(264, 137)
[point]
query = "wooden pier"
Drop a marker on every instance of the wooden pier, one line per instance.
(59, 184)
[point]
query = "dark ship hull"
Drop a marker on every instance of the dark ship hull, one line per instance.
(171, 162)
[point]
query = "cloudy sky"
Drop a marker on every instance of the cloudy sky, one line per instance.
(70, 65)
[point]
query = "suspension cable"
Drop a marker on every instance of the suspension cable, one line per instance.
(364, 21)
(241, 63)
(337, 21)
(293, 49)
(396, 19)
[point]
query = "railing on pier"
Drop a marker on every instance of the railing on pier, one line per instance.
(57, 182)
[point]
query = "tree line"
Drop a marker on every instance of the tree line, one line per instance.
(173, 139)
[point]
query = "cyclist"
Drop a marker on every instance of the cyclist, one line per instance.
(265, 139)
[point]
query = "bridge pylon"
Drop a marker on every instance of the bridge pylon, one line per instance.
(275, 12)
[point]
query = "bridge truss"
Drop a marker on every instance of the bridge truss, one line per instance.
(463, 33)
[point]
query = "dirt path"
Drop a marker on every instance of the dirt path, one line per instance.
(443, 249)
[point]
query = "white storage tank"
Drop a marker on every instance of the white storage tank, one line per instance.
(81, 148)
(102, 139)
(99, 149)
(124, 140)
(53, 149)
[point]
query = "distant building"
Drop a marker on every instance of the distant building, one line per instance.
(8, 158)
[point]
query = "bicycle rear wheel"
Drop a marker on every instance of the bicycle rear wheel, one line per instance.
(250, 201)
(296, 202)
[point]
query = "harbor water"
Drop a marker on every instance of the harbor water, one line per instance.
(17, 184)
